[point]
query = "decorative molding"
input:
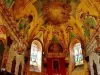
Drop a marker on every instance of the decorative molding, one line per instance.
(91, 44)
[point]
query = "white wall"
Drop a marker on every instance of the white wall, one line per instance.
(19, 59)
(96, 59)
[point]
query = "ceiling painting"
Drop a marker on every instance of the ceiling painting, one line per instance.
(64, 18)
(54, 22)
(56, 12)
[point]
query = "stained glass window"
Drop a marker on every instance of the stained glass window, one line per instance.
(36, 56)
(78, 54)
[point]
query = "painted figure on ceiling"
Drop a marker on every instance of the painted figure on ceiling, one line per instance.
(19, 4)
(89, 22)
(24, 24)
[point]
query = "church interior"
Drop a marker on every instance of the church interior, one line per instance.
(49, 37)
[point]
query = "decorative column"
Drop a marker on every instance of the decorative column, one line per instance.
(16, 50)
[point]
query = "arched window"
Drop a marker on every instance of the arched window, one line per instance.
(78, 56)
(36, 56)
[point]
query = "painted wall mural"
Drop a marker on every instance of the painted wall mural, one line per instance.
(24, 24)
(89, 22)
(26, 18)
(2, 32)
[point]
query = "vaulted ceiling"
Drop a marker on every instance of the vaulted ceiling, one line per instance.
(60, 20)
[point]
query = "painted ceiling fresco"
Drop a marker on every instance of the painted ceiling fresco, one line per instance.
(63, 19)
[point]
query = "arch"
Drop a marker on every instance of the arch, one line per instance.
(75, 45)
(2, 47)
(36, 56)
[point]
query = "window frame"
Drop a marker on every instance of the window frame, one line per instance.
(38, 40)
(73, 42)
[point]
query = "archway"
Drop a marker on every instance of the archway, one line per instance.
(1, 51)
(36, 56)
(76, 53)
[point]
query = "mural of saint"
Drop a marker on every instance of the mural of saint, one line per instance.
(24, 24)
(89, 22)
